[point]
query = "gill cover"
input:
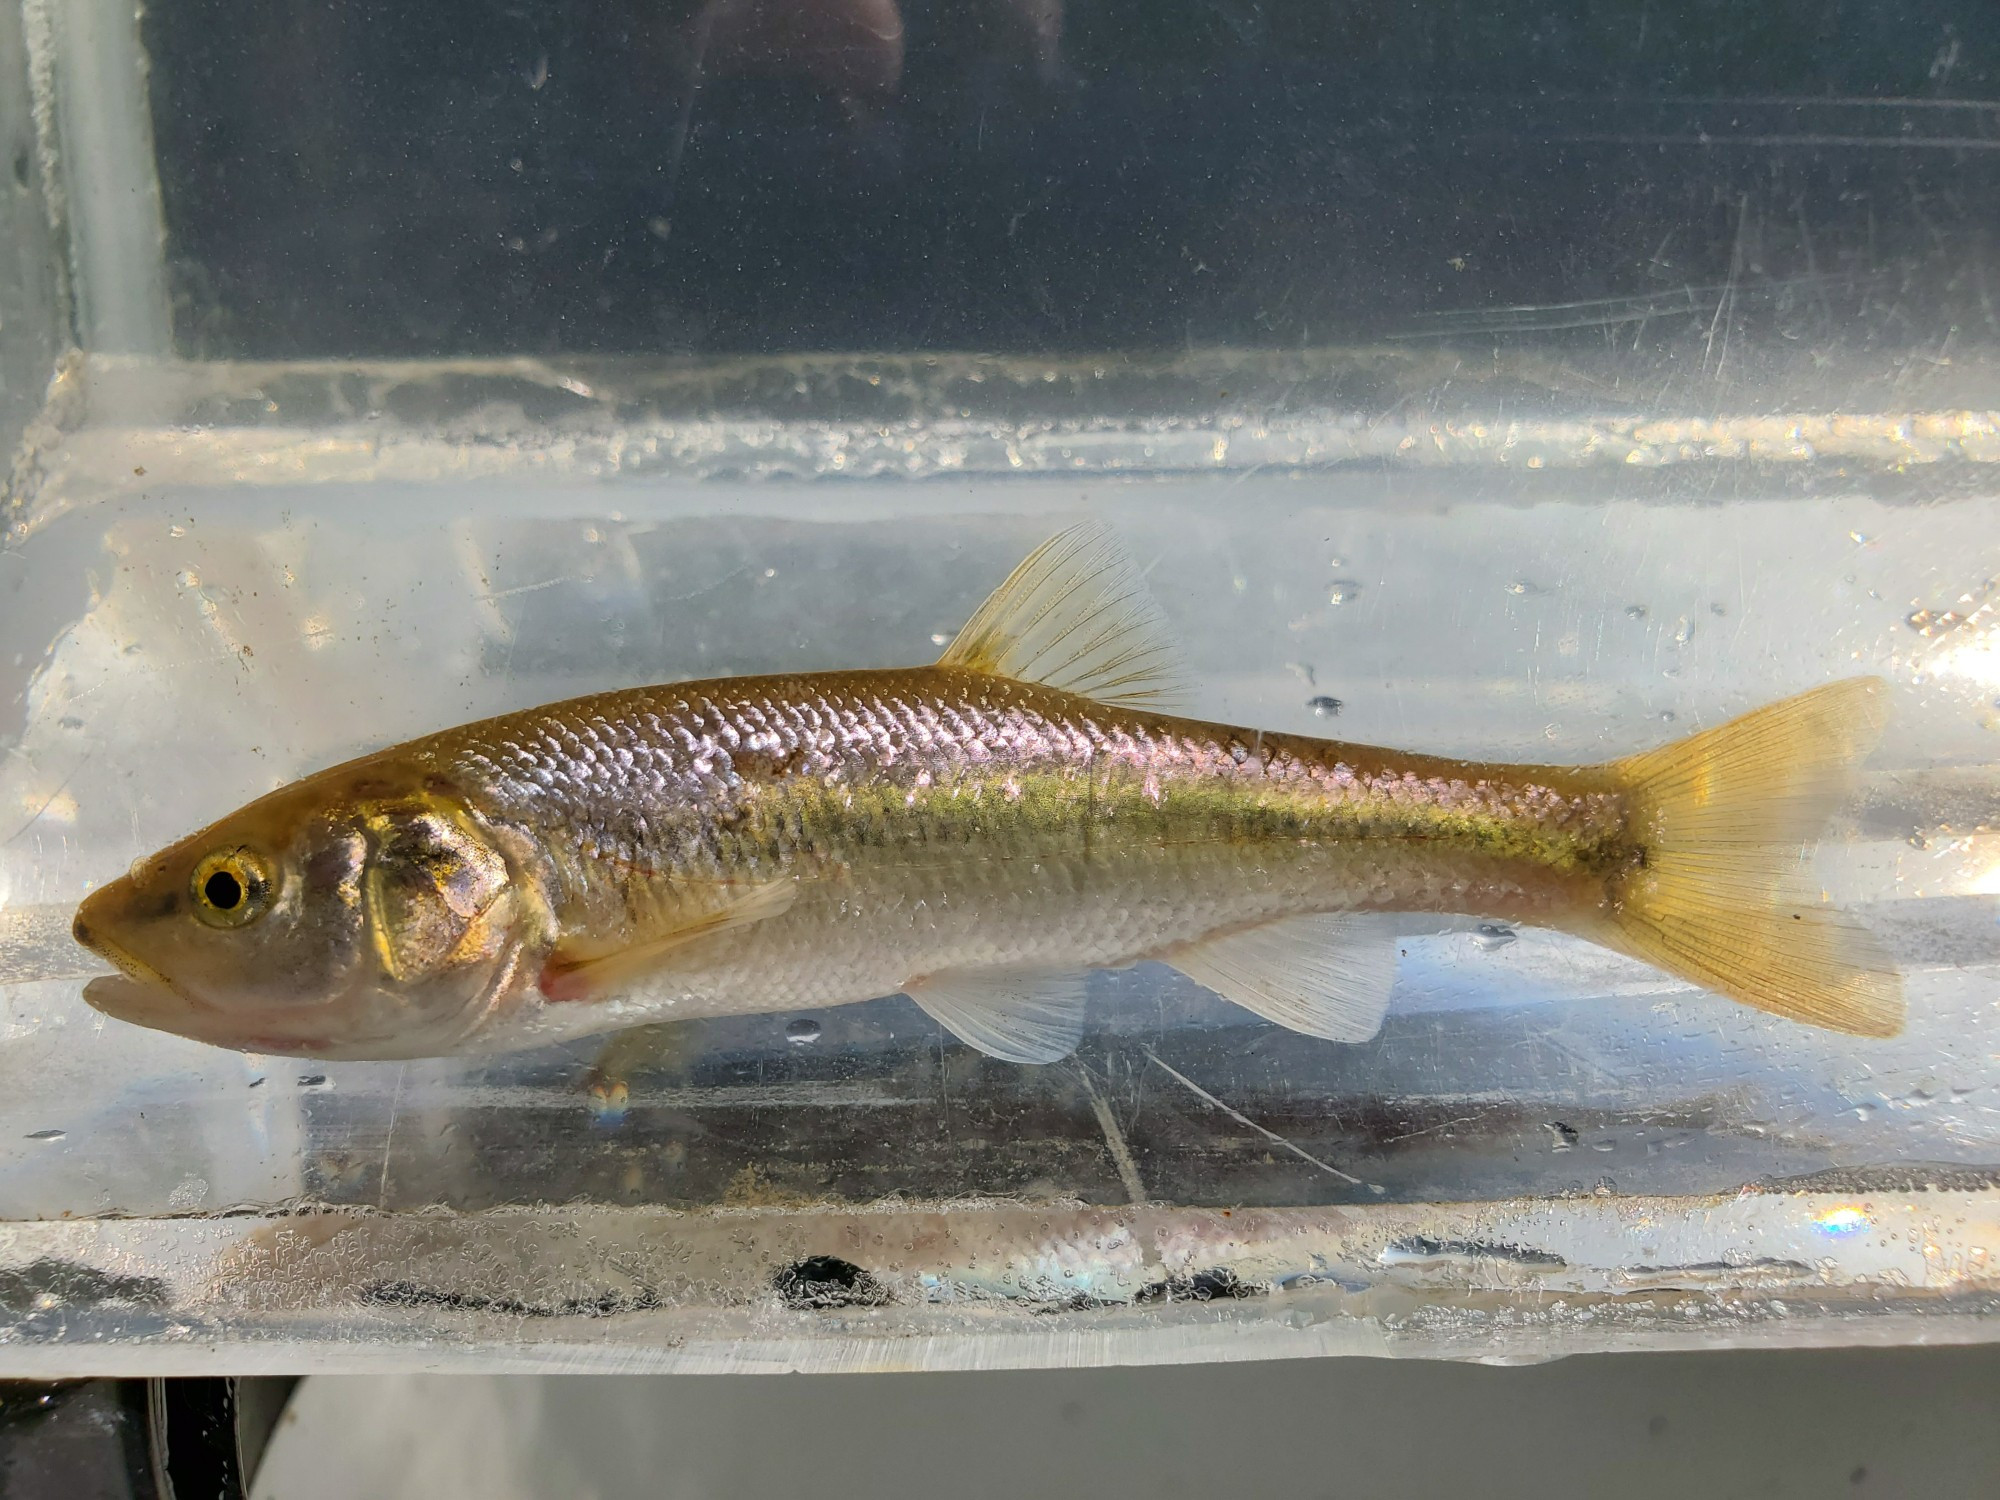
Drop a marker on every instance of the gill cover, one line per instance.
(431, 881)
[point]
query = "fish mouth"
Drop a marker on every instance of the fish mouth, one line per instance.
(126, 962)
(143, 1002)
(138, 992)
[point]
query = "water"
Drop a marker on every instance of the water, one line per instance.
(498, 376)
(286, 627)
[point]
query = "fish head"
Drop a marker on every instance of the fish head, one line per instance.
(340, 918)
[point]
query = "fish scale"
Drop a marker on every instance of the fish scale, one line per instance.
(940, 819)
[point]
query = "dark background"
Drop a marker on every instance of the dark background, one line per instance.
(356, 177)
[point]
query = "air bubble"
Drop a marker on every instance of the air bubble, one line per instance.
(803, 1032)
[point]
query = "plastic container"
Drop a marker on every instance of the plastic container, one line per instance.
(1517, 392)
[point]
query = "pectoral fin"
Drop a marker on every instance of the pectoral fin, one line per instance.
(1327, 976)
(579, 969)
(1016, 1015)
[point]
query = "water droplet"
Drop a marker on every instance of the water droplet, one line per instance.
(1859, 538)
(1667, 716)
(1493, 936)
(803, 1032)
(939, 638)
(1521, 587)
(1717, 610)
(1565, 1135)
(1635, 611)
(177, 531)
(313, 1081)
(1343, 591)
(188, 578)
(51, 1134)
(1683, 631)
(1325, 707)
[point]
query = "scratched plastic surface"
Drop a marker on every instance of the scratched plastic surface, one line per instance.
(1716, 426)
(197, 649)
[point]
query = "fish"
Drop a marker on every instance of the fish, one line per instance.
(978, 835)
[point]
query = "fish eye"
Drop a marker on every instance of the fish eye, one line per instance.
(231, 887)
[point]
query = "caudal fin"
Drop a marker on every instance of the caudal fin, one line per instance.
(1727, 818)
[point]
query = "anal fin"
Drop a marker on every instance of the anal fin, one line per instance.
(1326, 976)
(580, 969)
(1016, 1015)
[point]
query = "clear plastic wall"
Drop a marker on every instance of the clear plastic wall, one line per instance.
(1520, 386)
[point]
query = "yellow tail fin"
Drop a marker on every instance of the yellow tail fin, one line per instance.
(1726, 819)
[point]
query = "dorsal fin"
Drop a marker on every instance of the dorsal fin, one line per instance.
(1075, 615)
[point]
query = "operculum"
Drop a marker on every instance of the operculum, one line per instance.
(431, 889)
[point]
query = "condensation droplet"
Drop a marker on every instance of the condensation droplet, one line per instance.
(803, 1032)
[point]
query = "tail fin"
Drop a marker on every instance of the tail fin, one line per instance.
(1726, 819)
